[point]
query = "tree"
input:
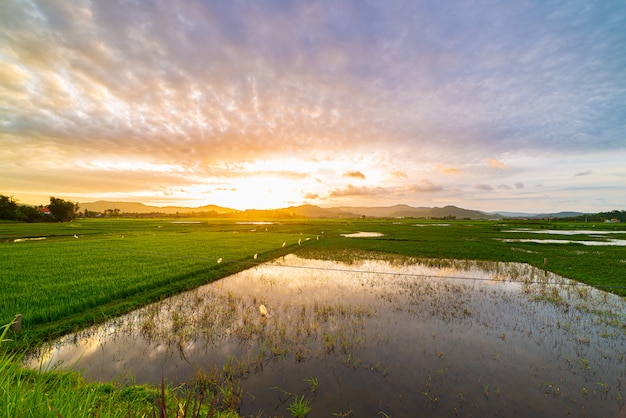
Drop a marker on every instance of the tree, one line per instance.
(29, 214)
(62, 210)
(8, 207)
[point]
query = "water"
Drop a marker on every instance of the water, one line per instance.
(599, 235)
(379, 336)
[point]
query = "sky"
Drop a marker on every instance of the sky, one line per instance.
(492, 105)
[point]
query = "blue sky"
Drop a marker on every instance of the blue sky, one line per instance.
(489, 105)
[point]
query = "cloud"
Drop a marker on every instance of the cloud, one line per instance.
(311, 196)
(484, 187)
(424, 186)
(354, 191)
(379, 192)
(243, 87)
(493, 163)
(208, 87)
(447, 170)
(354, 174)
(517, 185)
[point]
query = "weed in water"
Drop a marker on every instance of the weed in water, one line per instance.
(345, 414)
(313, 384)
(300, 407)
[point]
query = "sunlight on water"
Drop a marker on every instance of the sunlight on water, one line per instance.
(363, 235)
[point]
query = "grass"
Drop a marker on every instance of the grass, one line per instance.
(63, 283)
(87, 271)
(300, 407)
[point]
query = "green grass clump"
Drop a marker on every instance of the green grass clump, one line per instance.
(300, 407)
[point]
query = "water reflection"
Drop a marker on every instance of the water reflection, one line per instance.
(599, 235)
(566, 231)
(363, 235)
(607, 242)
(386, 336)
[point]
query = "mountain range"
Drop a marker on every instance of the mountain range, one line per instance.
(136, 207)
(312, 211)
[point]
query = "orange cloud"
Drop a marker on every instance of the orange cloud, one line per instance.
(424, 186)
(399, 174)
(493, 163)
(354, 174)
(351, 190)
(447, 170)
(378, 192)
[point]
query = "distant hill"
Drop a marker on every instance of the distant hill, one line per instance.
(405, 211)
(540, 215)
(397, 211)
(304, 211)
(312, 211)
(135, 207)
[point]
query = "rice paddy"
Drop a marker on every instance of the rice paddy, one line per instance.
(378, 336)
(352, 326)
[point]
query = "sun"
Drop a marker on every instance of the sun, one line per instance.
(257, 192)
(265, 184)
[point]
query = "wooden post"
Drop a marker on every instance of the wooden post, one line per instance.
(545, 261)
(17, 323)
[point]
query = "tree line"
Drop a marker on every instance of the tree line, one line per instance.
(58, 210)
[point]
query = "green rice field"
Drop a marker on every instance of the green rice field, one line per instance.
(64, 276)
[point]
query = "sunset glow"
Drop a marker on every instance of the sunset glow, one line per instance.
(494, 106)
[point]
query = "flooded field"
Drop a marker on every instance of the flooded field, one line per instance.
(387, 337)
(599, 237)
